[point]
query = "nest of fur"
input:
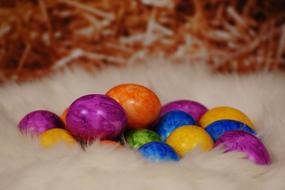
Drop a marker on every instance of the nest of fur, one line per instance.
(39, 36)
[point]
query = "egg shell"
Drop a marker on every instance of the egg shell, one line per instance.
(224, 113)
(39, 121)
(158, 151)
(141, 104)
(137, 138)
(193, 108)
(95, 116)
(185, 138)
(172, 120)
(242, 141)
(55, 136)
(220, 127)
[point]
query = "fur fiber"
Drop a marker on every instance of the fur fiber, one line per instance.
(26, 166)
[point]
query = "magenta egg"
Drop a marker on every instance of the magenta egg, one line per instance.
(242, 141)
(195, 109)
(37, 122)
(95, 116)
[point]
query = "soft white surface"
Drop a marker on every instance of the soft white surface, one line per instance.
(25, 166)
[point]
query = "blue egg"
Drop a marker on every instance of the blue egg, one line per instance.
(218, 128)
(172, 120)
(158, 151)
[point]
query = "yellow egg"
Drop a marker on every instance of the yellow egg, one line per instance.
(224, 113)
(55, 136)
(186, 138)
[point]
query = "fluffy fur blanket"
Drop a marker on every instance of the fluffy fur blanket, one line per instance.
(26, 166)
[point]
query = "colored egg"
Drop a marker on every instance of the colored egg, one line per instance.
(140, 103)
(110, 142)
(37, 122)
(158, 151)
(195, 109)
(220, 127)
(172, 120)
(95, 116)
(63, 116)
(137, 138)
(56, 136)
(224, 113)
(242, 141)
(184, 139)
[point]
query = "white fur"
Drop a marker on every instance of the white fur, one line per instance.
(25, 166)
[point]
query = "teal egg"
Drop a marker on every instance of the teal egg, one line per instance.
(137, 138)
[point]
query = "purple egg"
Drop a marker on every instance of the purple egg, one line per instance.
(39, 121)
(244, 142)
(195, 109)
(95, 116)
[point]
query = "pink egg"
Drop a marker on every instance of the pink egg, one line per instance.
(95, 116)
(39, 121)
(194, 109)
(241, 141)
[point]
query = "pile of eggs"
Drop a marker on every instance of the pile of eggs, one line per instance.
(132, 115)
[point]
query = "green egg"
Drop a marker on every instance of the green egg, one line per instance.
(137, 138)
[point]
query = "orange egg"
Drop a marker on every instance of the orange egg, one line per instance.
(63, 116)
(109, 142)
(142, 106)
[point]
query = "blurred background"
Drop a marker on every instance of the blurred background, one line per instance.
(38, 37)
